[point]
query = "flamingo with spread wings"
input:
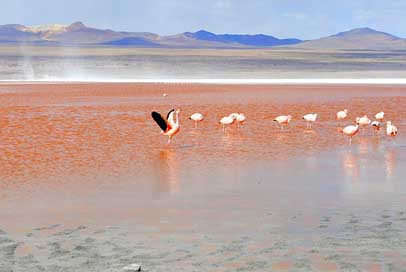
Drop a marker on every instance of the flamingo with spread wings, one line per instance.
(170, 127)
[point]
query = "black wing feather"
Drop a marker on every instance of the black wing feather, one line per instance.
(159, 120)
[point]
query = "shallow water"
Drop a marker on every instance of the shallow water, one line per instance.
(85, 164)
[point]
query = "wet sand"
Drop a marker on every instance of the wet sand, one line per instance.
(88, 183)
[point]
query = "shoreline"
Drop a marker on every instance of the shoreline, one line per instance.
(285, 81)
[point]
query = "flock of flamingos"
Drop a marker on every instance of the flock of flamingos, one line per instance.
(170, 125)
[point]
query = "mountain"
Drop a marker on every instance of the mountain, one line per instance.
(80, 34)
(74, 34)
(248, 40)
(358, 38)
(17, 33)
(131, 41)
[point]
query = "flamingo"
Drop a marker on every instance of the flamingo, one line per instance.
(376, 125)
(197, 117)
(341, 115)
(363, 121)
(310, 118)
(240, 119)
(226, 121)
(234, 115)
(282, 120)
(391, 130)
(379, 116)
(169, 126)
(351, 130)
(165, 95)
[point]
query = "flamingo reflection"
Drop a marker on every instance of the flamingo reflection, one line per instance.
(351, 166)
(168, 171)
(363, 146)
(390, 163)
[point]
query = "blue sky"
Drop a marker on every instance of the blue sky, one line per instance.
(306, 19)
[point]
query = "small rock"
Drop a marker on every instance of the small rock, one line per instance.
(132, 268)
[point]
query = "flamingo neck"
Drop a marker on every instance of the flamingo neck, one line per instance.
(177, 119)
(171, 121)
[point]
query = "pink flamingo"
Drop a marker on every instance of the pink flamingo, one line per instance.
(310, 118)
(283, 120)
(240, 119)
(169, 126)
(362, 122)
(391, 130)
(226, 121)
(197, 117)
(376, 125)
(341, 115)
(234, 115)
(351, 131)
(380, 116)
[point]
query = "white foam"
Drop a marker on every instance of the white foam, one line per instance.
(372, 81)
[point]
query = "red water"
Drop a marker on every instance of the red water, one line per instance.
(90, 154)
(60, 131)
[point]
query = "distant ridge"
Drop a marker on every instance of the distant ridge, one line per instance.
(248, 40)
(132, 41)
(358, 38)
(78, 34)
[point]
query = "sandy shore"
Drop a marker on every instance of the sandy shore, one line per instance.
(87, 182)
